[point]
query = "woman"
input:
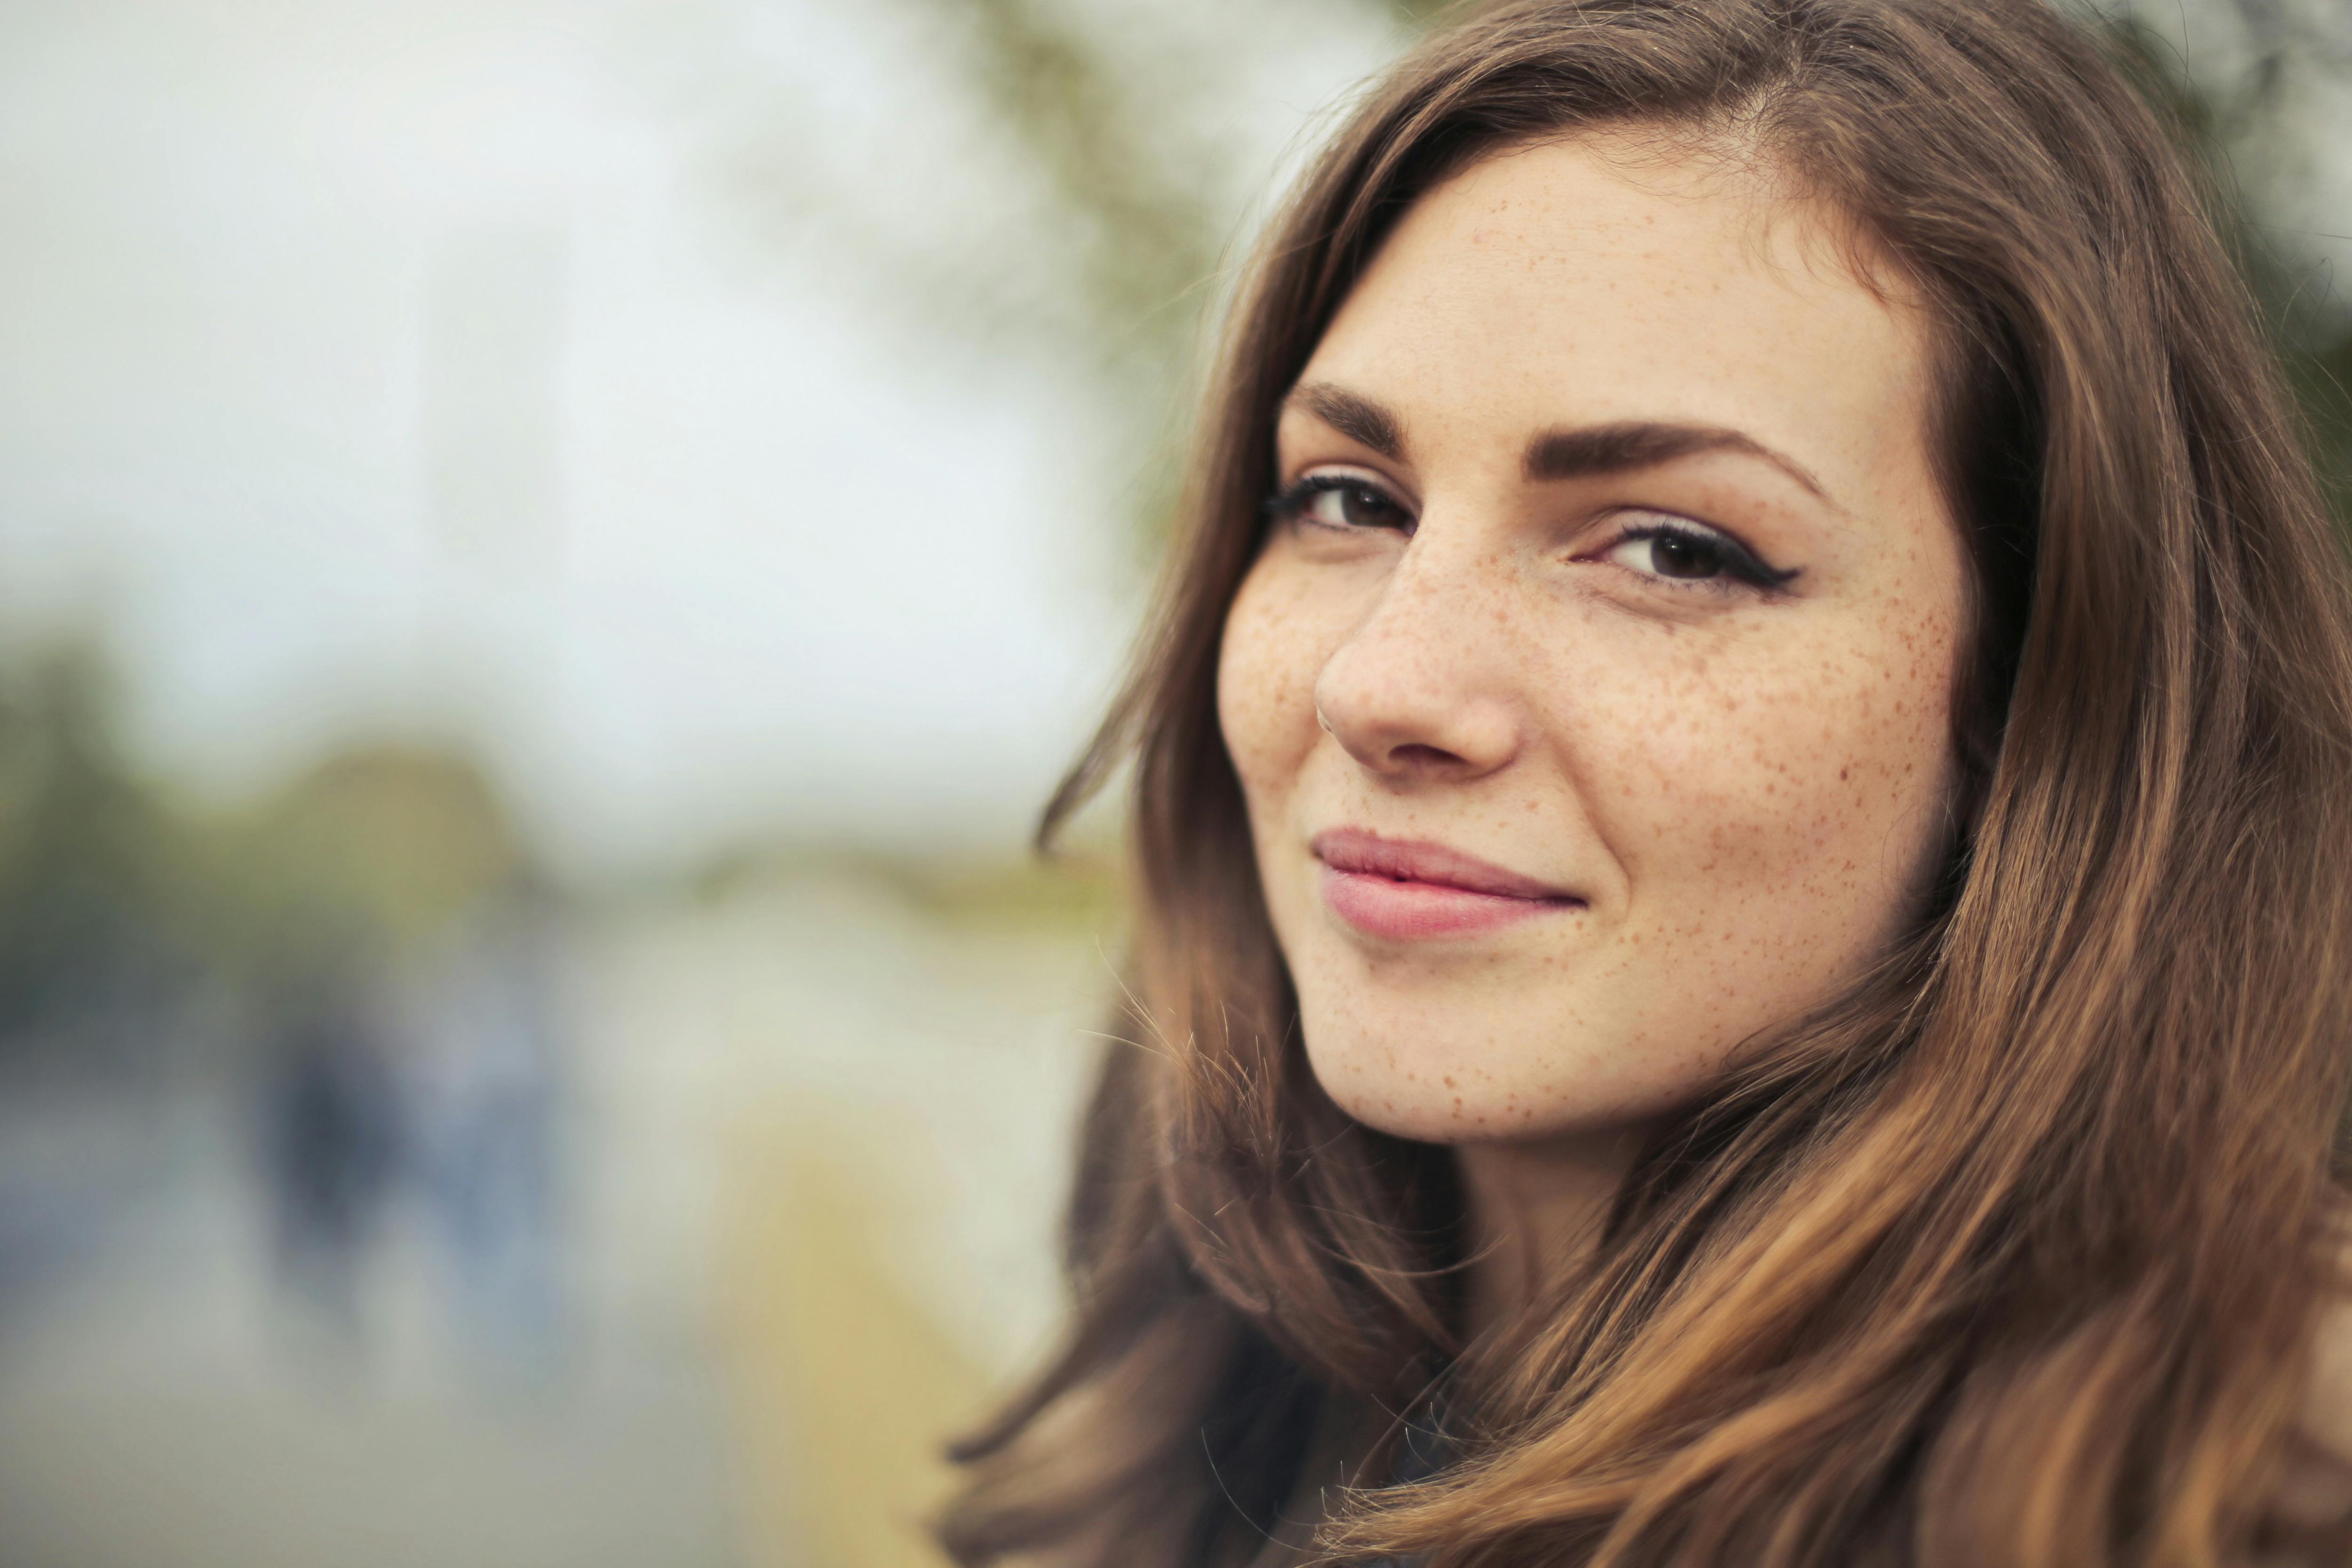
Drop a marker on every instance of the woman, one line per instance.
(1740, 799)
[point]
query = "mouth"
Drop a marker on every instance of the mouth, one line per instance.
(1408, 890)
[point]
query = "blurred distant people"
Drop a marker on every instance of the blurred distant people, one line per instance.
(483, 1073)
(442, 1108)
(333, 1135)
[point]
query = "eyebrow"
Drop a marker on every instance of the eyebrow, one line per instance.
(1565, 454)
(1646, 444)
(1354, 415)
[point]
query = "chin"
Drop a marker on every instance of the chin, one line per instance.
(1417, 1088)
(1484, 1086)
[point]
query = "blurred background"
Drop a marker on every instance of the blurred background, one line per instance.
(549, 551)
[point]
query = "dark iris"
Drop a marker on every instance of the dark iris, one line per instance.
(1337, 502)
(1359, 508)
(1681, 555)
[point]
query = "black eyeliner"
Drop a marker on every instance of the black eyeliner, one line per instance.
(1284, 503)
(1739, 561)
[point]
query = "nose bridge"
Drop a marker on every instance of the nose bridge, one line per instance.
(1446, 590)
(1425, 672)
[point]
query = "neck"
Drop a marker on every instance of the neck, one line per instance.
(1535, 1212)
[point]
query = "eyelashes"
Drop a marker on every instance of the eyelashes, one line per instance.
(1655, 545)
(1337, 500)
(1683, 552)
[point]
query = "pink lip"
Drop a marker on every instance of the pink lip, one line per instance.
(1404, 891)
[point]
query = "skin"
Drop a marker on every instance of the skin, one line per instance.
(1736, 792)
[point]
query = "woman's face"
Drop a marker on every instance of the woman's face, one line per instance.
(1592, 696)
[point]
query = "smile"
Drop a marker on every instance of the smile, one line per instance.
(1403, 891)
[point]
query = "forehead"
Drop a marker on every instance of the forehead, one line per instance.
(1613, 276)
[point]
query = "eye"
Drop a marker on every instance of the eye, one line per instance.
(1338, 501)
(1665, 554)
(1682, 551)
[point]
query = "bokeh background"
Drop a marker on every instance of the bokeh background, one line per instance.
(549, 550)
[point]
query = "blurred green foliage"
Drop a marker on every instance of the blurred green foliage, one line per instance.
(2257, 128)
(397, 840)
(1110, 237)
(88, 860)
(1151, 234)
(123, 907)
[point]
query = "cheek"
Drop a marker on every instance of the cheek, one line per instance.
(1785, 796)
(1266, 668)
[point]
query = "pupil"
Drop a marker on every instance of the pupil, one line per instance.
(1672, 556)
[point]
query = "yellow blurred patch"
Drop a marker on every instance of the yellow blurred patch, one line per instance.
(848, 1388)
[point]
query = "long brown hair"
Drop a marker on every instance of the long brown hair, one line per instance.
(2013, 1255)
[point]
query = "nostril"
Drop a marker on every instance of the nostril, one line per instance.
(1415, 754)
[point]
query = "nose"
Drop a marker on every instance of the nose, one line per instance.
(1420, 689)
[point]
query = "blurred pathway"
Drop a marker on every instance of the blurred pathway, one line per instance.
(166, 1410)
(816, 1145)
(871, 1107)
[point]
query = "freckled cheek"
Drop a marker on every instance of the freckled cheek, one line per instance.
(1266, 668)
(1785, 783)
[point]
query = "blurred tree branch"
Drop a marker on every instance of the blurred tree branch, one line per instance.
(2254, 129)
(1153, 231)
(1123, 188)
(2321, 33)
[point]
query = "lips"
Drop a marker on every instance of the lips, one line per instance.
(1407, 890)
